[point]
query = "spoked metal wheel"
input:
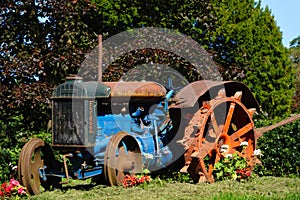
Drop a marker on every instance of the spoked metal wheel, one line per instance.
(123, 156)
(34, 155)
(221, 121)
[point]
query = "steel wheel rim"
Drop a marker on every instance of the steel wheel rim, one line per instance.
(30, 162)
(204, 150)
(122, 156)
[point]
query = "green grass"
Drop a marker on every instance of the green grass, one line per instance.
(259, 188)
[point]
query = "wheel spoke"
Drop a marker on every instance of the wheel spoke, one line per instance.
(235, 144)
(207, 175)
(229, 117)
(239, 133)
(233, 151)
(217, 158)
(214, 159)
(205, 149)
(249, 150)
(214, 123)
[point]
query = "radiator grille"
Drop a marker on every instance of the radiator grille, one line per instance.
(69, 126)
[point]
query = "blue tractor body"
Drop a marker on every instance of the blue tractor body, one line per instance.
(87, 115)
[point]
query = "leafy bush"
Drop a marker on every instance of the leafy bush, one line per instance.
(13, 137)
(232, 167)
(280, 148)
(177, 177)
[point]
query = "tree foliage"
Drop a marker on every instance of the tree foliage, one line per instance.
(280, 149)
(193, 18)
(295, 50)
(248, 44)
(42, 43)
(295, 57)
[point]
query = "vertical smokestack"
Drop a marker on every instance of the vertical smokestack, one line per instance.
(99, 58)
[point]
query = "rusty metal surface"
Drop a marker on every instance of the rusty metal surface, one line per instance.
(262, 130)
(136, 89)
(66, 168)
(206, 90)
(20, 165)
(210, 129)
(31, 161)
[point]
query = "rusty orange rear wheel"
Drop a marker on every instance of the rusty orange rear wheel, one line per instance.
(221, 121)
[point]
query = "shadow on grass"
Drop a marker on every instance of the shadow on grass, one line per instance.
(82, 185)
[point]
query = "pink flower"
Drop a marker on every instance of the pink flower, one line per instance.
(14, 182)
(21, 191)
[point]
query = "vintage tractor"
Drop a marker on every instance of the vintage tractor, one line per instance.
(105, 130)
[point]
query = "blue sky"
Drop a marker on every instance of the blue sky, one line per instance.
(287, 16)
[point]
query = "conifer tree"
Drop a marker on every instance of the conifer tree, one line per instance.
(248, 45)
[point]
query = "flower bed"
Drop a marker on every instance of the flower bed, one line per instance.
(12, 189)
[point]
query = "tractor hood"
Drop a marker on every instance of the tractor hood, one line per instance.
(75, 87)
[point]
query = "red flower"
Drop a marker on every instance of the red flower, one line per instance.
(147, 178)
(142, 179)
(8, 189)
(130, 181)
(4, 185)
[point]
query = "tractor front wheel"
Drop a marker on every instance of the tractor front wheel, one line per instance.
(33, 157)
(123, 156)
